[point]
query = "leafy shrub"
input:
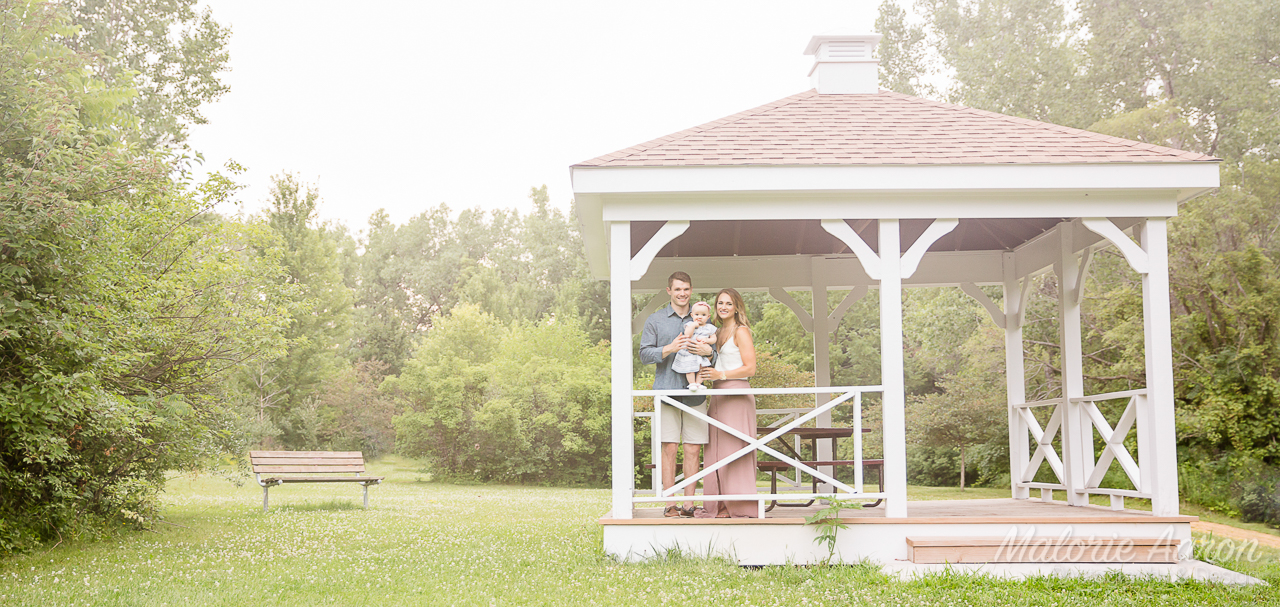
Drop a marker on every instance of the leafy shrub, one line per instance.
(122, 301)
(525, 403)
(1260, 504)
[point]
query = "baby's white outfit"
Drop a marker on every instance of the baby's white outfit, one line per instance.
(688, 362)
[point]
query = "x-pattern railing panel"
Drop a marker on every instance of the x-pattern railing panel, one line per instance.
(754, 444)
(784, 416)
(1044, 442)
(1113, 439)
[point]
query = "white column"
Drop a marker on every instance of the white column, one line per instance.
(891, 372)
(822, 360)
(623, 468)
(1074, 422)
(1159, 350)
(1015, 374)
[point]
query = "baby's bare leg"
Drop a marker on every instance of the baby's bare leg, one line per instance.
(692, 377)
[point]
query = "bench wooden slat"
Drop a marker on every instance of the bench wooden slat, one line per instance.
(305, 461)
(322, 454)
(331, 463)
(305, 469)
(322, 479)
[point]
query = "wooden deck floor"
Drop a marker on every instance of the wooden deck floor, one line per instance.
(1006, 510)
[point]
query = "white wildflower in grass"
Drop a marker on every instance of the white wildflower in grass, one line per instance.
(435, 544)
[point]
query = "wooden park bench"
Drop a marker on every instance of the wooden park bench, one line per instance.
(319, 466)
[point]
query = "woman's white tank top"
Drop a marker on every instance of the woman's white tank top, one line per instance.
(729, 356)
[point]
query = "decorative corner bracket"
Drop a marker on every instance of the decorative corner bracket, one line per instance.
(1133, 253)
(868, 258)
(973, 291)
(806, 320)
(637, 323)
(833, 319)
(937, 229)
(667, 233)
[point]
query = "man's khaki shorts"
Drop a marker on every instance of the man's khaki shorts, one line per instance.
(678, 426)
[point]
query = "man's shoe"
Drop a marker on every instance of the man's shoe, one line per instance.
(672, 512)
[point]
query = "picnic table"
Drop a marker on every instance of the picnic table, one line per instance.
(813, 435)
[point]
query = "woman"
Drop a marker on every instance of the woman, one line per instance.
(735, 364)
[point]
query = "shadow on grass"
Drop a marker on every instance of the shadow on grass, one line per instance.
(330, 504)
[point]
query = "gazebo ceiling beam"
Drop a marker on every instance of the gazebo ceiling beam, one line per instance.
(1191, 177)
(795, 272)
(986, 204)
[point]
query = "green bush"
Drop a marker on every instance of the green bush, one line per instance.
(1260, 504)
(527, 403)
(122, 301)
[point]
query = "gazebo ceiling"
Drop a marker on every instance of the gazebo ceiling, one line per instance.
(806, 237)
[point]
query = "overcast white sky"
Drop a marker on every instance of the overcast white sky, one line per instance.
(405, 105)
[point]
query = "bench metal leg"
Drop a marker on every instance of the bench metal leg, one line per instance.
(773, 488)
(366, 496)
(264, 497)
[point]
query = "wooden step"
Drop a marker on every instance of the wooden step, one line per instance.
(1041, 550)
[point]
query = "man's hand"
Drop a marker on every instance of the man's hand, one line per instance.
(701, 348)
(679, 343)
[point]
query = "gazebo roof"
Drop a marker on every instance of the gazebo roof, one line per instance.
(861, 157)
(885, 128)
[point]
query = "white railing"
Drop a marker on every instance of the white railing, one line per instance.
(791, 418)
(1044, 446)
(1113, 451)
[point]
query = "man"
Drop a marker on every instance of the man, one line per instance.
(663, 336)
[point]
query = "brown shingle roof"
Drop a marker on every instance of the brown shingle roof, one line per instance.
(884, 128)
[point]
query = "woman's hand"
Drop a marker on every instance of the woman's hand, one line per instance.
(711, 373)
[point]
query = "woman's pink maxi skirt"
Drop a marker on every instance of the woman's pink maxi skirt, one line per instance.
(739, 476)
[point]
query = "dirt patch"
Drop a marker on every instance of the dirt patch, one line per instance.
(1235, 533)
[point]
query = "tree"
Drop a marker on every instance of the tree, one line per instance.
(320, 331)
(539, 390)
(353, 414)
(165, 50)
(905, 60)
(1017, 57)
(123, 300)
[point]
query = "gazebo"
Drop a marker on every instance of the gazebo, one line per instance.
(850, 187)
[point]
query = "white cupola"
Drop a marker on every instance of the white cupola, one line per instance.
(843, 64)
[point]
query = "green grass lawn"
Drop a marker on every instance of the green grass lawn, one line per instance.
(424, 543)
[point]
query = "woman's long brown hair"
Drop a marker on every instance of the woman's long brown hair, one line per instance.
(739, 308)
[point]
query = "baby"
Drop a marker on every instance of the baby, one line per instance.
(698, 331)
